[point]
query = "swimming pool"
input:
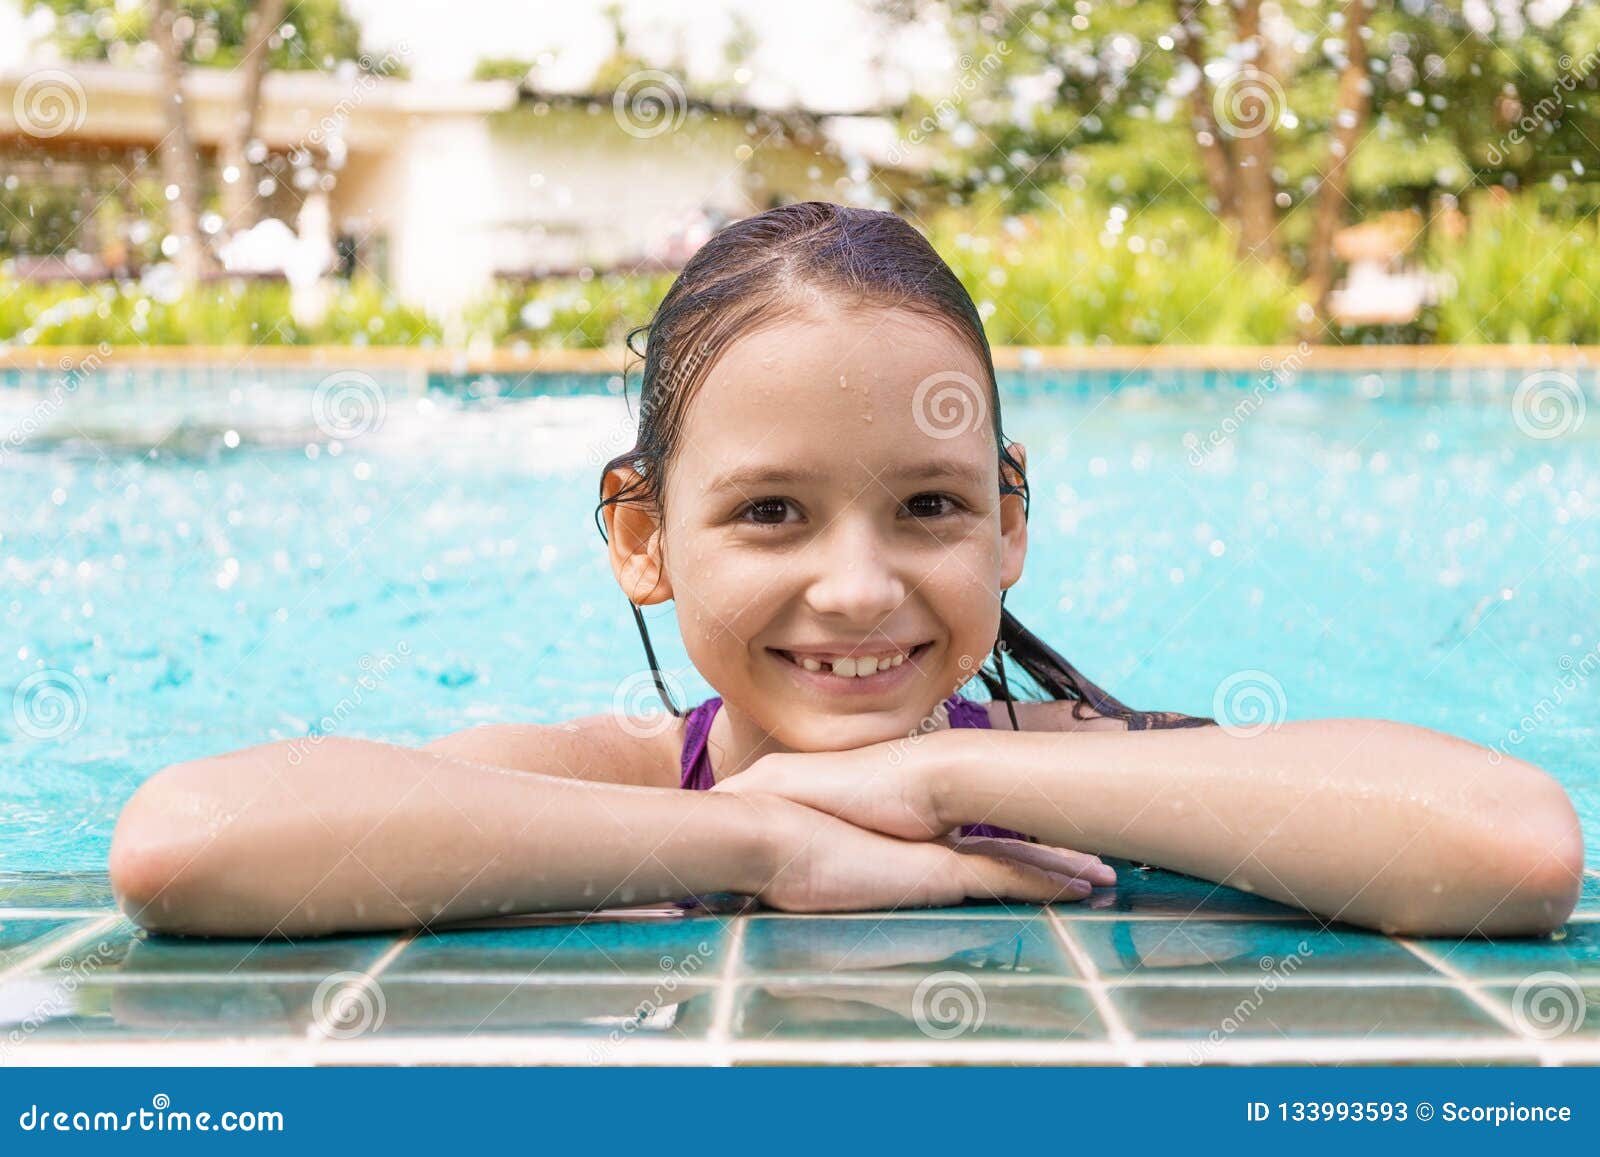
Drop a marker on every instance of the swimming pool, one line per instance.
(197, 560)
(193, 564)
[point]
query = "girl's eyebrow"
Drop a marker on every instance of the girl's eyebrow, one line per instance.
(751, 478)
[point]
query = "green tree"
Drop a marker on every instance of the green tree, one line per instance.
(1283, 121)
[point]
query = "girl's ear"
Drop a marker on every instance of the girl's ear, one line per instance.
(1013, 522)
(633, 539)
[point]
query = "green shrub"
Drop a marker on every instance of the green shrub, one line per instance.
(569, 312)
(230, 312)
(1088, 275)
(1518, 277)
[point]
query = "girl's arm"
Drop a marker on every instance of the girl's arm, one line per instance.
(294, 839)
(1367, 821)
(1362, 820)
(289, 839)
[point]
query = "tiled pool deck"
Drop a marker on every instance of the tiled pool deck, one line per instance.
(1160, 969)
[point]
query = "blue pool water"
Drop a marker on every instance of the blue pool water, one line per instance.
(191, 564)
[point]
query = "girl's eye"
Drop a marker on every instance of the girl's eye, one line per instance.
(776, 511)
(766, 511)
(930, 505)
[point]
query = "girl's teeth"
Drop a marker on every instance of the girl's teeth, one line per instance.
(852, 668)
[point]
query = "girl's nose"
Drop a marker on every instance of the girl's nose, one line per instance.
(855, 576)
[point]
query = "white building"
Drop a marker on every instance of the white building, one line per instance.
(442, 187)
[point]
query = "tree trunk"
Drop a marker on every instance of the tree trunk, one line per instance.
(1208, 135)
(180, 169)
(1259, 97)
(1349, 119)
(240, 202)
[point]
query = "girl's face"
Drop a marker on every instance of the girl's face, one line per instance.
(836, 496)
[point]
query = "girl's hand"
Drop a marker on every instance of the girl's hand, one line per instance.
(823, 864)
(863, 787)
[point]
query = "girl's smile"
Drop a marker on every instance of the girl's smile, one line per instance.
(867, 671)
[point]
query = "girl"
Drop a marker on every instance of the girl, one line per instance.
(822, 486)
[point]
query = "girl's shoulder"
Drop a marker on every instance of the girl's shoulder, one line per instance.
(605, 748)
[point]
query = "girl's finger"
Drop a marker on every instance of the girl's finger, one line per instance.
(988, 878)
(1064, 861)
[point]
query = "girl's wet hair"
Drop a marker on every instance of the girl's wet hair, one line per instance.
(764, 268)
